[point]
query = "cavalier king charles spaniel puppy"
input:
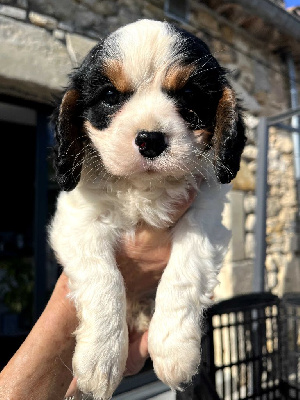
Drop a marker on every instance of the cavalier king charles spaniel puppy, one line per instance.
(147, 116)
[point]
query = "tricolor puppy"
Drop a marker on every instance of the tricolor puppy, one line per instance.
(148, 115)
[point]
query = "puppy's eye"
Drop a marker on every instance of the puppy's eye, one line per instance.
(111, 96)
(189, 92)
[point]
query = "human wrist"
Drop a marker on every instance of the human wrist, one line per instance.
(60, 310)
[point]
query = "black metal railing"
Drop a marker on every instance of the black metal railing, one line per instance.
(250, 350)
(290, 321)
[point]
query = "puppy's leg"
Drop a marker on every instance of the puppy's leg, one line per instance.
(102, 338)
(199, 243)
(97, 288)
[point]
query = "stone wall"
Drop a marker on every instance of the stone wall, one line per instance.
(41, 41)
(91, 18)
(282, 241)
(52, 36)
(282, 259)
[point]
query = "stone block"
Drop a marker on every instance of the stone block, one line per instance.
(291, 242)
(273, 207)
(242, 277)
(251, 121)
(247, 80)
(244, 48)
(237, 225)
(262, 98)
(65, 26)
(235, 278)
(105, 8)
(84, 20)
(227, 33)
(278, 90)
(22, 3)
(272, 280)
(261, 74)
(152, 11)
(13, 12)
(250, 204)
(252, 165)
(251, 136)
(284, 142)
(271, 264)
(250, 152)
(249, 102)
(234, 72)
(294, 243)
(245, 179)
(224, 289)
(274, 225)
(274, 180)
(288, 200)
(249, 245)
(78, 47)
(250, 223)
(42, 20)
(33, 63)
(59, 34)
(291, 276)
(62, 10)
(222, 52)
(200, 16)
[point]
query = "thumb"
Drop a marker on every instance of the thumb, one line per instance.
(137, 354)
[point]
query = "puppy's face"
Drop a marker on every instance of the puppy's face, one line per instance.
(151, 100)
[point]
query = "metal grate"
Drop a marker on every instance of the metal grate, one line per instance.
(251, 350)
(290, 316)
(245, 363)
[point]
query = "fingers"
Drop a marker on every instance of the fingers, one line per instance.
(137, 354)
(185, 204)
(72, 388)
(143, 348)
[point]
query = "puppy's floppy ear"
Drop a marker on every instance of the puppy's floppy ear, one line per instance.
(229, 137)
(69, 141)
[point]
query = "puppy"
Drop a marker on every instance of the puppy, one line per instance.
(147, 116)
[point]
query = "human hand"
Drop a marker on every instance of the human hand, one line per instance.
(143, 259)
(41, 368)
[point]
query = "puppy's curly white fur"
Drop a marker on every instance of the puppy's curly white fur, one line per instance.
(147, 115)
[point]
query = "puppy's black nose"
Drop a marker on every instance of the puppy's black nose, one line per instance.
(150, 144)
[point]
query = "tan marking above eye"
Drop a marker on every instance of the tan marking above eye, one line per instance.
(114, 71)
(177, 76)
(203, 136)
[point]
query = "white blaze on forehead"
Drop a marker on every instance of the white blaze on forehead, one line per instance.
(145, 49)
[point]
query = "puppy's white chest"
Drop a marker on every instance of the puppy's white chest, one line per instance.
(123, 205)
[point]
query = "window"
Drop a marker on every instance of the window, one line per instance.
(27, 270)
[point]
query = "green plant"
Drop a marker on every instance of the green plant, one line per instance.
(16, 285)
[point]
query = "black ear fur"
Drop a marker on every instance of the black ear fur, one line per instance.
(229, 137)
(68, 153)
(68, 121)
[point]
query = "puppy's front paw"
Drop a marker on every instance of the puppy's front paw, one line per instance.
(98, 370)
(175, 350)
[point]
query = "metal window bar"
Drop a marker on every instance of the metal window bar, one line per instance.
(261, 189)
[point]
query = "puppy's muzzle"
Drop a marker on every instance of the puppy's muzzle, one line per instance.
(151, 144)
